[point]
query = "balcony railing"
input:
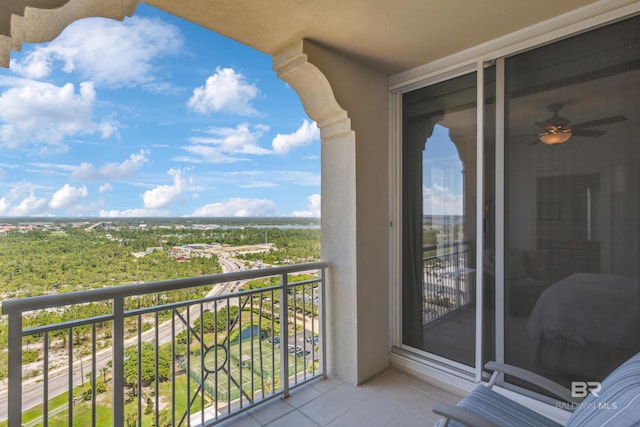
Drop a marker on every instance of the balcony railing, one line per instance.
(193, 351)
(447, 279)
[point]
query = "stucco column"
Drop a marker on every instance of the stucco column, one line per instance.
(338, 204)
(355, 200)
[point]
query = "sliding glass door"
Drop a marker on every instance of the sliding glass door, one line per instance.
(559, 224)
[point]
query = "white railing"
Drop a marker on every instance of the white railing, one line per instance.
(447, 279)
(192, 351)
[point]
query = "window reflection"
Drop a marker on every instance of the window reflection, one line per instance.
(439, 225)
(573, 208)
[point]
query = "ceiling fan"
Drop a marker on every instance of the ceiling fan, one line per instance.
(558, 129)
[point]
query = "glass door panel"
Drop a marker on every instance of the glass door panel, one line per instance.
(572, 230)
(439, 220)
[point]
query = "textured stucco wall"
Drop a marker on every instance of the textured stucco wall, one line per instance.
(363, 93)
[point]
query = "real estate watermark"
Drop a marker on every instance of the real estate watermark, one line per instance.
(572, 406)
(583, 389)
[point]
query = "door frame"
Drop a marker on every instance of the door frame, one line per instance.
(472, 60)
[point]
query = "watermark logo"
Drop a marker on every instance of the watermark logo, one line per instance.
(583, 388)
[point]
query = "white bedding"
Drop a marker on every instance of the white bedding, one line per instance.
(594, 307)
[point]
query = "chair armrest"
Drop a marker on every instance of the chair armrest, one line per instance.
(461, 415)
(532, 378)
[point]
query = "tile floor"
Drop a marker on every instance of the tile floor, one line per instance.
(391, 399)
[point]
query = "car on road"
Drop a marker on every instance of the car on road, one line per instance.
(313, 338)
(294, 348)
(302, 353)
(274, 340)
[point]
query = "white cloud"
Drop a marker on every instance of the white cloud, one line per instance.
(242, 139)
(42, 113)
(237, 207)
(107, 52)
(258, 184)
(313, 207)
(205, 154)
(162, 195)
(225, 91)
(133, 213)
(111, 171)
(59, 168)
(21, 201)
(264, 178)
(439, 200)
(223, 143)
(67, 196)
(306, 134)
(303, 178)
(30, 206)
(105, 187)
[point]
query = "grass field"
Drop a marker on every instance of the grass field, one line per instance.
(254, 377)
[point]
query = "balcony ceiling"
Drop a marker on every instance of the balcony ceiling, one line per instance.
(389, 36)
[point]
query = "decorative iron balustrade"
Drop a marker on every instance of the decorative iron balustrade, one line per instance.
(447, 280)
(161, 359)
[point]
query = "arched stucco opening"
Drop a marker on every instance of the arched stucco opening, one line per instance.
(357, 305)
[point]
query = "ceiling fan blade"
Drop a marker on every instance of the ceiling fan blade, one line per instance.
(588, 132)
(599, 122)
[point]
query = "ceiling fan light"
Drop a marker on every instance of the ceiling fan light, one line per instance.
(553, 138)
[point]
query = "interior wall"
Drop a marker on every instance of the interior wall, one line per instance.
(614, 167)
(363, 93)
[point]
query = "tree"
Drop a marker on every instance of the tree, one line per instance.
(207, 320)
(148, 365)
(131, 418)
(164, 419)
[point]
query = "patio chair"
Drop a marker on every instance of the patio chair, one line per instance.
(617, 403)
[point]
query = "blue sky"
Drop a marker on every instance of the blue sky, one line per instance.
(442, 177)
(152, 116)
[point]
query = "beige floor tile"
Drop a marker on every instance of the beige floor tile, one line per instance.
(295, 418)
(349, 394)
(271, 411)
(242, 420)
(323, 410)
(424, 407)
(327, 384)
(392, 398)
(410, 419)
(350, 419)
(378, 410)
(401, 394)
(303, 395)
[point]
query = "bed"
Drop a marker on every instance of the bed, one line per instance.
(587, 316)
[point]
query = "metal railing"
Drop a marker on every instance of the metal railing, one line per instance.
(170, 353)
(447, 279)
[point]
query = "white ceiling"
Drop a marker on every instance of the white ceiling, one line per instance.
(389, 35)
